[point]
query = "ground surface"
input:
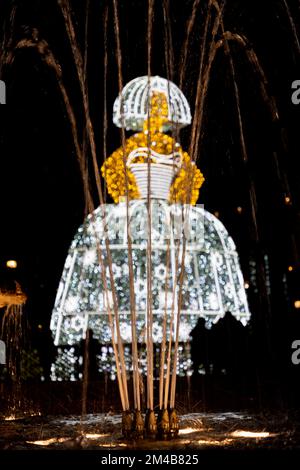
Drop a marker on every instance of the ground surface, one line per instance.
(103, 432)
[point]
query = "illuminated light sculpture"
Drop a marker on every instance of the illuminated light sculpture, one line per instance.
(212, 283)
(12, 299)
(12, 296)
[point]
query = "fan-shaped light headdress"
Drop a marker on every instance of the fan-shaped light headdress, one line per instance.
(131, 108)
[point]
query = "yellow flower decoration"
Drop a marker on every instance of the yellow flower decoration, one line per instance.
(186, 186)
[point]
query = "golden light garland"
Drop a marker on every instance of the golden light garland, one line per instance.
(16, 297)
(187, 182)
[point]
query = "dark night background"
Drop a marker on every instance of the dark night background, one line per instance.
(41, 196)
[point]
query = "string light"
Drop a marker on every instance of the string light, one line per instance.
(131, 107)
(12, 264)
(250, 434)
(297, 304)
(287, 200)
(188, 431)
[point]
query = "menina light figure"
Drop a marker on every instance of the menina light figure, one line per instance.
(182, 236)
